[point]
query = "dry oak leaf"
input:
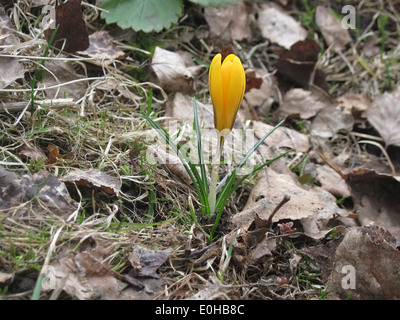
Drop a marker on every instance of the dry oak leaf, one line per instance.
(101, 47)
(181, 108)
(282, 137)
(313, 208)
(112, 84)
(72, 34)
(384, 115)
(232, 19)
(157, 154)
(366, 266)
(297, 65)
(85, 276)
(51, 196)
(300, 103)
(376, 197)
(55, 156)
(261, 90)
(172, 73)
(10, 68)
(60, 73)
(279, 27)
(331, 28)
(330, 121)
(146, 262)
(94, 178)
(268, 192)
(355, 104)
(332, 182)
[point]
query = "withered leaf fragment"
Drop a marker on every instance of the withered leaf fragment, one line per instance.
(71, 27)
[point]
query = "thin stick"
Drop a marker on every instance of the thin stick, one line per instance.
(285, 199)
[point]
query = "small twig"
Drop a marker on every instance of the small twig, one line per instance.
(285, 199)
(54, 104)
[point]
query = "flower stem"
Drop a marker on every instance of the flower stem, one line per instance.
(212, 195)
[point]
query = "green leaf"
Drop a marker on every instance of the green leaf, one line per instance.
(200, 148)
(144, 15)
(215, 3)
(185, 160)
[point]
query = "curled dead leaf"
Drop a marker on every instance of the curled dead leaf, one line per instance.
(55, 156)
(282, 137)
(71, 34)
(376, 197)
(172, 73)
(146, 262)
(297, 65)
(94, 178)
(331, 28)
(300, 103)
(366, 265)
(84, 275)
(312, 208)
(384, 115)
(279, 27)
(231, 19)
(330, 121)
(332, 182)
(50, 194)
(102, 48)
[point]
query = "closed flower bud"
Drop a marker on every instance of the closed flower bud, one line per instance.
(227, 83)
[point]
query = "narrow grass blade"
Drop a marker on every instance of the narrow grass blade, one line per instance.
(229, 187)
(185, 160)
(200, 148)
(255, 147)
(257, 169)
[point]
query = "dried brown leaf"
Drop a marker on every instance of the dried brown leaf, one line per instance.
(172, 73)
(376, 197)
(146, 262)
(366, 265)
(232, 19)
(71, 27)
(355, 104)
(331, 181)
(384, 115)
(279, 27)
(60, 73)
(313, 208)
(282, 137)
(10, 70)
(84, 276)
(94, 178)
(28, 152)
(300, 103)
(157, 155)
(181, 108)
(55, 156)
(112, 84)
(297, 66)
(101, 47)
(32, 197)
(331, 28)
(330, 121)
(269, 190)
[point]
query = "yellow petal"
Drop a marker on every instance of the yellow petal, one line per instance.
(237, 85)
(227, 83)
(216, 90)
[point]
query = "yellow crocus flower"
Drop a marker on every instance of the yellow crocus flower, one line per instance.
(227, 83)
